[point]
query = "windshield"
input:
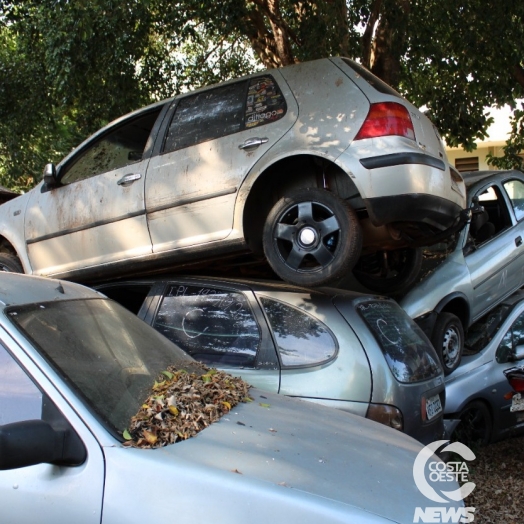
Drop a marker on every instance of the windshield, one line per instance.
(102, 351)
(408, 353)
(483, 331)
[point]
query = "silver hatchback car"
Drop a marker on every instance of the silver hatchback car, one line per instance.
(72, 367)
(483, 266)
(479, 398)
(358, 353)
(311, 165)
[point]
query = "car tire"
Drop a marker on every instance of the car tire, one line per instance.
(10, 263)
(448, 340)
(476, 425)
(389, 271)
(312, 237)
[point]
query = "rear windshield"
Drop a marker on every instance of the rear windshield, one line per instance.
(409, 355)
(371, 79)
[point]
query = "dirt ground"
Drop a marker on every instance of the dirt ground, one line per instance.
(498, 472)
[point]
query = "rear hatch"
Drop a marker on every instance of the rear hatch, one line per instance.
(405, 366)
(427, 137)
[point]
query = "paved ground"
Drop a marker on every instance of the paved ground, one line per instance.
(498, 472)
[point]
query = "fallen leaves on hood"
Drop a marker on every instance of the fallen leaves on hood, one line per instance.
(181, 404)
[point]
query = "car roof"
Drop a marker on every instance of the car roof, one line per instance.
(18, 289)
(241, 283)
(473, 177)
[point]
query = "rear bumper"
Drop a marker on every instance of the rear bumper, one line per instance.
(421, 219)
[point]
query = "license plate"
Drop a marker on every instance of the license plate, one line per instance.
(517, 403)
(433, 407)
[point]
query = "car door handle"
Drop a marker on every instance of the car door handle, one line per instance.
(129, 179)
(518, 241)
(252, 143)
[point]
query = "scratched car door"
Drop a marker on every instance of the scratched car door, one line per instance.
(213, 139)
(491, 263)
(96, 214)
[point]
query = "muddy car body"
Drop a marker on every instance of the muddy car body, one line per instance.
(312, 165)
(358, 353)
(68, 384)
(484, 266)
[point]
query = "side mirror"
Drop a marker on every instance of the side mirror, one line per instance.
(50, 175)
(35, 442)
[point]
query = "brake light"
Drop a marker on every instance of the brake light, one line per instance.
(517, 383)
(387, 119)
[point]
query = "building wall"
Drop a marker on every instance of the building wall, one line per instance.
(457, 156)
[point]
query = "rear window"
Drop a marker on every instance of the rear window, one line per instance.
(301, 339)
(215, 326)
(371, 79)
(409, 355)
(224, 110)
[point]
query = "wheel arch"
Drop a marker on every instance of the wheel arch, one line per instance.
(6, 246)
(457, 304)
(485, 402)
(261, 192)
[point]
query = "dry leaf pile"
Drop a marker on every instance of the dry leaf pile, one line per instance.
(498, 472)
(182, 404)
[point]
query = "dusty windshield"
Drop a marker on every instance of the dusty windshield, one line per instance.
(483, 331)
(102, 351)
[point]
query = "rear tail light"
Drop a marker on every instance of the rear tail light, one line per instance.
(515, 378)
(517, 383)
(386, 414)
(387, 119)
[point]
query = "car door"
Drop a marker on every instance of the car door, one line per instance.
(45, 492)
(494, 263)
(218, 325)
(213, 139)
(514, 191)
(96, 213)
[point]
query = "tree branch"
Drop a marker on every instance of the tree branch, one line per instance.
(367, 37)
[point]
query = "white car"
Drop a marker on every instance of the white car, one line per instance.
(312, 165)
(75, 366)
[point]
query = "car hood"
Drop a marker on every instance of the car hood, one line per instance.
(289, 449)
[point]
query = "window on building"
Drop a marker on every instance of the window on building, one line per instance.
(467, 164)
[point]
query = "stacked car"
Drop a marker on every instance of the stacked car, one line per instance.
(317, 172)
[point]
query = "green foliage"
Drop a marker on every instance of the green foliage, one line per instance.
(514, 149)
(69, 67)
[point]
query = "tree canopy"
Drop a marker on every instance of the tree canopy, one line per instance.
(67, 67)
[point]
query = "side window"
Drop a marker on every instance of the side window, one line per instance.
(213, 325)
(20, 399)
(223, 111)
(512, 345)
(515, 190)
(265, 102)
(301, 339)
(494, 219)
(119, 147)
(206, 116)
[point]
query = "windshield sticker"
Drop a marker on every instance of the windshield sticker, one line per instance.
(265, 103)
